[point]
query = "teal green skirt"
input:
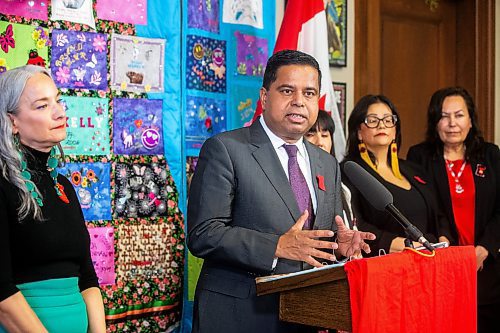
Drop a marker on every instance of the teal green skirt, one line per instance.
(58, 303)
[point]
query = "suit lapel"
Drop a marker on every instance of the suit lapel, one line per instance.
(268, 160)
(316, 169)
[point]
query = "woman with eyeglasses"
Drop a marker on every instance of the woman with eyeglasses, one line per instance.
(374, 134)
(466, 171)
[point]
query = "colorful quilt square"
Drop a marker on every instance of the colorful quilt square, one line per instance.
(87, 126)
(79, 59)
(22, 45)
(142, 190)
(251, 54)
(137, 126)
(206, 64)
(205, 117)
(102, 250)
(92, 185)
(204, 14)
(137, 63)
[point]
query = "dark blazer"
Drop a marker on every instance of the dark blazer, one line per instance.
(487, 206)
(381, 223)
(240, 203)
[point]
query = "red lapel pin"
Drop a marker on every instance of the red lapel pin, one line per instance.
(480, 169)
(420, 180)
(321, 182)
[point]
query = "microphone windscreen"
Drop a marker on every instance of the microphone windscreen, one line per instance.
(369, 186)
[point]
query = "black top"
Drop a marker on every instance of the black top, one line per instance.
(419, 205)
(57, 247)
(411, 204)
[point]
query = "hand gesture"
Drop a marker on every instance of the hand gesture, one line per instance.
(351, 242)
(303, 245)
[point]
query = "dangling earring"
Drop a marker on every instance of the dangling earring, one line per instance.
(15, 138)
(51, 167)
(363, 152)
(394, 160)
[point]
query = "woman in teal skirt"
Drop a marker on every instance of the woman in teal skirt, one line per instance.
(47, 280)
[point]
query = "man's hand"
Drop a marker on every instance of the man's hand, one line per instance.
(351, 242)
(303, 245)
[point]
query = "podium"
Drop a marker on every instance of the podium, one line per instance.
(315, 288)
(421, 294)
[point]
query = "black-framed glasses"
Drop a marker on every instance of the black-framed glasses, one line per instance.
(374, 121)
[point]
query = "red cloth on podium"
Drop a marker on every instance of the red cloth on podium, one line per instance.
(406, 292)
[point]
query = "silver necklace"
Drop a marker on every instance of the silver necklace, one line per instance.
(458, 187)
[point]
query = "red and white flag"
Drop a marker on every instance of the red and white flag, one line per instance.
(304, 28)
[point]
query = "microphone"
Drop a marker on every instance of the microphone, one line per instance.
(382, 199)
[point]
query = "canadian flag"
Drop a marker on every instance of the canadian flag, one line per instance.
(304, 28)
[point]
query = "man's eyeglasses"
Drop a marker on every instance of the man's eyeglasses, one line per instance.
(374, 122)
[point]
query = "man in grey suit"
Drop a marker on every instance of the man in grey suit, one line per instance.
(243, 216)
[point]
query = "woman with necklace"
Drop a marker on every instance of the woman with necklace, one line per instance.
(47, 280)
(466, 171)
(374, 134)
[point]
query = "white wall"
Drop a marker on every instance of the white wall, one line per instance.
(280, 11)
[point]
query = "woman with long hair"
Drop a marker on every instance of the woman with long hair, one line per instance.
(373, 139)
(47, 280)
(466, 171)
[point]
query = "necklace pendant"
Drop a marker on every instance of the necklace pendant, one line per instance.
(60, 192)
(458, 188)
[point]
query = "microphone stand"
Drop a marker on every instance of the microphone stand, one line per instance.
(412, 231)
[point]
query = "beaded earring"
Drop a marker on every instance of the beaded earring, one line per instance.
(394, 160)
(363, 152)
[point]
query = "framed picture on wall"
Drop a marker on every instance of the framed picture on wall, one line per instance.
(339, 90)
(336, 22)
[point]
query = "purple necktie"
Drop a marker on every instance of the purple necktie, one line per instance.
(299, 184)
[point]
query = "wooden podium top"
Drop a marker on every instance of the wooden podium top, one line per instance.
(284, 282)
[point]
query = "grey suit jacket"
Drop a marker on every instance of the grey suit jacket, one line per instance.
(240, 203)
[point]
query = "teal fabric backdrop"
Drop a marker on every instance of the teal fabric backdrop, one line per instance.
(227, 103)
(241, 91)
(164, 21)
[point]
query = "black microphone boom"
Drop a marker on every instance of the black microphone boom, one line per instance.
(382, 199)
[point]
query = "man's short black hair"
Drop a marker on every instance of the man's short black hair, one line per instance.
(284, 58)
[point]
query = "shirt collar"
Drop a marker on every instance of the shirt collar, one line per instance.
(278, 142)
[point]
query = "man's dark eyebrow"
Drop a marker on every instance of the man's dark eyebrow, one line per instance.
(285, 85)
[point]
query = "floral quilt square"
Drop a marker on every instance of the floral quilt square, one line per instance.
(79, 59)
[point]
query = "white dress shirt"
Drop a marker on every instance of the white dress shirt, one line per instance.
(302, 159)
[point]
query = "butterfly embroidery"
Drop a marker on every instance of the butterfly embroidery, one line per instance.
(79, 73)
(6, 39)
(139, 170)
(92, 63)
